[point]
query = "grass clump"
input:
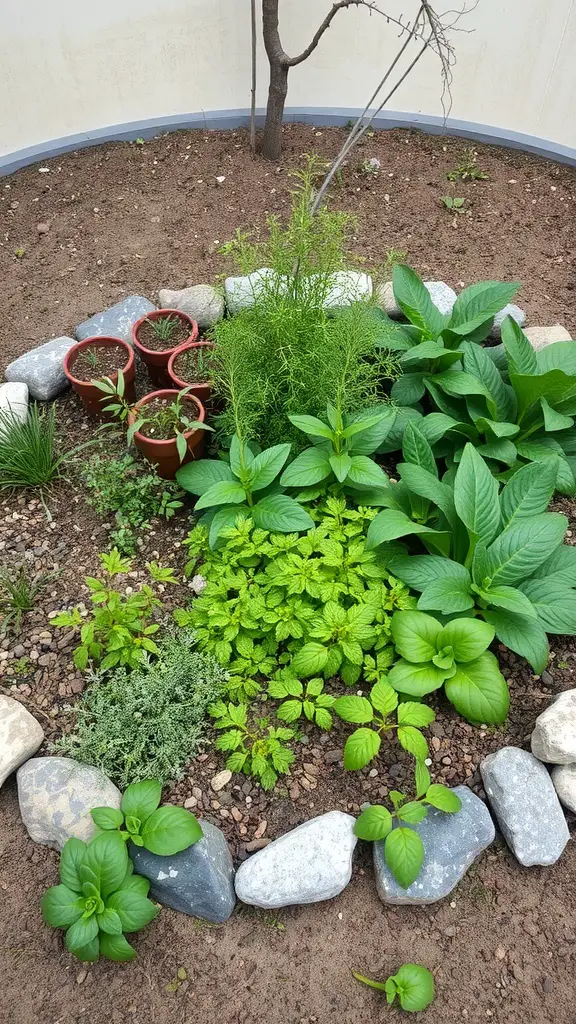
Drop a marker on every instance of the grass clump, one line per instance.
(150, 722)
(28, 456)
(18, 592)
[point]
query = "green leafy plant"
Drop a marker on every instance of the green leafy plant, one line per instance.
(99, 898)
(150, 722)
(468, 170)
(455, 204)
(18, 592)
(455, 656)
(119, 631)
(165, 830)
(298, 701)
(28, 450)
(257, 749)
(229, 489)
(163, 327)
(119, 487)
(375, 710)
(507, 561)
(413, 985)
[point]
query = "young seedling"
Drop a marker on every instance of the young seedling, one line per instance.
(453, 203)
(164, 831)
(259, 750)
(310, 702)
(468, 170)
(413, 985)
(363, 745)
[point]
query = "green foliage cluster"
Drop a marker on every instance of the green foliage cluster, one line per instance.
(119, 487)
(28, 455)
(412, 984)
(364, 744)
(19, 589)
(151, 721)
(164, 831)
(257, 748)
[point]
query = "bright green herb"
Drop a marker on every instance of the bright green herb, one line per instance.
(413, 985)
(99, 899)
(375, 710)
(28, 450)
(257, 749)
(309, 702)
(163, 327)
(164, 831)
(18, 593)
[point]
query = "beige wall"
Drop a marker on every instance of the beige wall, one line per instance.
(68, 66)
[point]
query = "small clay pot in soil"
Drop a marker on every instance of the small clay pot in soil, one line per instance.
(184, 370)
(154, 351)
(95, 359)
(162, 452)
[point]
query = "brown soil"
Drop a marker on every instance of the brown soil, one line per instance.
(503, 946)
(107, 360)
(148, 337)
(160, 423)
(186, 365)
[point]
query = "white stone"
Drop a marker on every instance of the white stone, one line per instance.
(554, 736)
(242, 292)
(541, 337)
(311, 863)
(56, 795)
(20, 736)
(201, 302)
(512, 310)
(347, 286)
(220, 780)
(14, 401)
(564, 779)
(441, 294)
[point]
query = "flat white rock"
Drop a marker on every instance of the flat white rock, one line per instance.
(554, 736)
(14, 400)
(564, 779)
(201, 302)
(20, 735)
(313, 862)
(512, 310)
(242, 292)
(347, 286)
(541, 337)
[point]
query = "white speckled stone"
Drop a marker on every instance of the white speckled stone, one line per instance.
(117, 321)
(347, 286)
(42, 369)
(56, 795)
(524, 801)
(541, 337)
(242, 292)
(14, 401)
(20, 735)
(311, 863)
(512, 310)
(441, 294)
(554, 737)
(564, 780)
(201, 302)
(451, 843)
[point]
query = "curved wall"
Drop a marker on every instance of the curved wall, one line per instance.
(73, 73)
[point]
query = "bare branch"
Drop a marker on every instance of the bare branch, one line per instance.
(338, 6)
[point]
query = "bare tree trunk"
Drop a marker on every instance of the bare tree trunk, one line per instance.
(272, 140)
(253, 79)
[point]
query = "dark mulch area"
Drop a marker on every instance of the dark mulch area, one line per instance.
(128, 219)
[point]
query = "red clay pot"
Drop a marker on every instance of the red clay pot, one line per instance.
(93, 399)
(202, 391)
(157, 362)
(164, 454)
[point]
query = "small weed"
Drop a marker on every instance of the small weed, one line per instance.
(468, 170)
(455, 205)
(28, 451)
(18, 593)
(140, 142)
(371, 167)
(180, 976)
(22, 666)
(19, 253)
(164, 326)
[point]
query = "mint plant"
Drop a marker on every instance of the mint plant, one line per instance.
(412, 984)
(119, 631)
(162, 830)
(258, 749)
(298, 701)
(229, 489)
(364, 744)
(454, 656)
(98, 899)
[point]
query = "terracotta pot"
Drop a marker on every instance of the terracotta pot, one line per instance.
(201, 390)
(92, 398)
(164, 454)
(157, 361)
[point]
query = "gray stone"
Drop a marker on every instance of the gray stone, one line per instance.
(554, 737)
(56, 795)
(42, 369)
(451, 843)
(117, 321)
(564, 780)
(311, 863)
(199, 881)
(441, 294)
(20, 735)
(242, 292)
(14, 401)
(541, 337)
(523, 798)
(201, 302)
(512, 310)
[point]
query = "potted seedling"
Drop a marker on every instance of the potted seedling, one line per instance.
(167, 426)
(157, 335)
(190, 366)
(94, 360)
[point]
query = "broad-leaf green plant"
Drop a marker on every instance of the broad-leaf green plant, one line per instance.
(299, 701)
(376, 711)
(255, 748)
(165, 830)
(413, 985)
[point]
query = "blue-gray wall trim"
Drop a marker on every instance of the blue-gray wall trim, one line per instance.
(338, 116)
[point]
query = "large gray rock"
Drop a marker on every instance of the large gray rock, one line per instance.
(42, 369)
(117, 321)
(564, 781)
(512, 310)
(451, 843)
(199, 881)
(242, 292)
(541, 337)
(201, 302)
(20, 735)
(347, 286)
(554, 737)
(527, 809)
(311, 863)
(56, 795)
(441, 294)
(14, 401)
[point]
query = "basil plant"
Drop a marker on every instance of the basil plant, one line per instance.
(164, 831)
